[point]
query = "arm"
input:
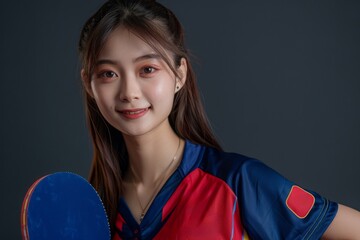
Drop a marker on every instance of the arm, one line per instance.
(346, 225)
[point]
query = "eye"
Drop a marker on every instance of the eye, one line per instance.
(108, 74)
(147, 71)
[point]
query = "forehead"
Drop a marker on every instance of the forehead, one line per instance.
(122, 43)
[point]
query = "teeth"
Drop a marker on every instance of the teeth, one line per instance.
(132, 113)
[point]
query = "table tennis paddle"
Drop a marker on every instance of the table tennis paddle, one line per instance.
(63, 205)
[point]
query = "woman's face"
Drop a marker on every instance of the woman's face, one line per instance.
(132, 85)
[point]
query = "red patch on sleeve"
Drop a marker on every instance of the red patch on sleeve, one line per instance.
(300, 202)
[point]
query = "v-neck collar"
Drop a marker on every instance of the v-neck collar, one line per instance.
(152, 220)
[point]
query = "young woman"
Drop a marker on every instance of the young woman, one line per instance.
(157, 165)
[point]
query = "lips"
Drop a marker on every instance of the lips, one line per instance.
(134, 113)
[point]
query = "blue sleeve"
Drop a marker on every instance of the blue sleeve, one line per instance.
(272, 207)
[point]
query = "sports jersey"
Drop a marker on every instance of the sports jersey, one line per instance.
(219, 195)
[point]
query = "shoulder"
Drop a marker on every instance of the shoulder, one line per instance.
(240, 171)
(214, 160)
(234, 166)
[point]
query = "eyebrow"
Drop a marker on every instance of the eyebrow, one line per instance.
(147, 56)
(105, 61)
(138, 59)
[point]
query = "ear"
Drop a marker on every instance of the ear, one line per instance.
(86, 81)
(182, 72)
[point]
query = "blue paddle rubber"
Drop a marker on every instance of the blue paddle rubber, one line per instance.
(65, 206)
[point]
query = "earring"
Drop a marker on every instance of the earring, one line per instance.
(177, 87)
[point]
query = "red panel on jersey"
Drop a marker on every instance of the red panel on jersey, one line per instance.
(119, 222)
(202, 207)
(300, 202)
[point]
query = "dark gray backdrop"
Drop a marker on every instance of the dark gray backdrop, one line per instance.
(280, 82)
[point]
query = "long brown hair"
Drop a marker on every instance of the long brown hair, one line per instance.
(159, 28)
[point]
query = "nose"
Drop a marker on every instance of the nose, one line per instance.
(129, 88)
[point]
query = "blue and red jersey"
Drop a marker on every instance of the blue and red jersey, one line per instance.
(219, 195)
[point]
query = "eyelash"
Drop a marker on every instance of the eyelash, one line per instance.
(103, 74)
(143, 73)
(152, 70)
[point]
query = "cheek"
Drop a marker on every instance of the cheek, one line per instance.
(103, 97)
(162, 99)
(163, 91)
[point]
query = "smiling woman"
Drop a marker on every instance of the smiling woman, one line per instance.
(157, 165)
(133, 83)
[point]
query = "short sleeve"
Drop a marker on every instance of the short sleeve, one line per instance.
(272, 207)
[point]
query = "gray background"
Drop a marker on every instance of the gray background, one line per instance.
(280, 82)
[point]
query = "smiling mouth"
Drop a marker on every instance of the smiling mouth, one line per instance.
(134, 113)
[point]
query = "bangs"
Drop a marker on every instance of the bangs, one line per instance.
(157, 37)
(152, 31)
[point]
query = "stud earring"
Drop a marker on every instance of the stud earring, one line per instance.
(177, 87)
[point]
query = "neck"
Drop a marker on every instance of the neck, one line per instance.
(151, 154)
